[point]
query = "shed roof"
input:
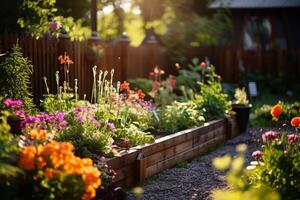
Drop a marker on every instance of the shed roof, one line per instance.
(253, 4)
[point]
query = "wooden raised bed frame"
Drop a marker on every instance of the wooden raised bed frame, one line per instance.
(140, 162)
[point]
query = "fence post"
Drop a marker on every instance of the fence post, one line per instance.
(124, 45)
(152, 54)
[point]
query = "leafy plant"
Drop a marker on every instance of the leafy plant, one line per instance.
(15, 74)
(238, 181)
(277, 165)
(240, 96)
(179, 116)
(142, 83)
(212, 100)
(134, 135)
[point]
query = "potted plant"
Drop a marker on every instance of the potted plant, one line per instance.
(242, 108)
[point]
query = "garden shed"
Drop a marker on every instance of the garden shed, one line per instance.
(266, 34)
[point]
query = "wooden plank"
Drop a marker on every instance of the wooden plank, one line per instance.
(186, 155)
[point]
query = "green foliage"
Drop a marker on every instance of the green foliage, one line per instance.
(60, 102)
(240, 187)
(181, 164)
(179, 116)
(15, 74)
(212, 100)
(191, 75)
(87, 138)
(134, 135)
(142, 83)
(261, 117)
(279, 167)
(40, 15)
(9, 151)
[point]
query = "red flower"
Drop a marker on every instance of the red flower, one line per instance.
(295, 122)
(124, 86)
(141, 94)
(276, 110)
(202, 64)
(65, 59)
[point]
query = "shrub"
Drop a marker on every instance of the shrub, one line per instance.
(15, 74)
(179, 116)
(278, 165)
(212, 100)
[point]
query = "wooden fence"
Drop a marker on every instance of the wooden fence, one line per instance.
(128, 62)
(133, 62)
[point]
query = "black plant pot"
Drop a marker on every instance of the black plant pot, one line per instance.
(242, 116)
(14, 124)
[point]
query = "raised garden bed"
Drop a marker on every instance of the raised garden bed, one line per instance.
(140, 162)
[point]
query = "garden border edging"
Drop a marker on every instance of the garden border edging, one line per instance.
(140, 162)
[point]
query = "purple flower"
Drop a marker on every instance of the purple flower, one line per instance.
(54, 26)
(30, 120)
(95, 122)
(292, 138)
(111, 126)
(270, 135)
(20, 113)
(13, 103)
(257, 155)
(60, 116)
(50, 118)
(78, 110)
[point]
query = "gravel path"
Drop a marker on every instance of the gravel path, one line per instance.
(198, 179)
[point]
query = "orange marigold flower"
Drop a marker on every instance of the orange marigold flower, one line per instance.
(124, 86)
(141, 94)
(202, 64)
(41, 163)
(90, 193)
(276, 110)
(38, 134)
(295, 122)
(91, 176)
(27, 158)
(49, 173)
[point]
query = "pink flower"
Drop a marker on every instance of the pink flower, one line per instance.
(95, 122)
(13, 103)
(80, 118)
(292, 138)
(54, 26)
(257, 155)
(20, 113)
(270, 135)
(111, 126)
